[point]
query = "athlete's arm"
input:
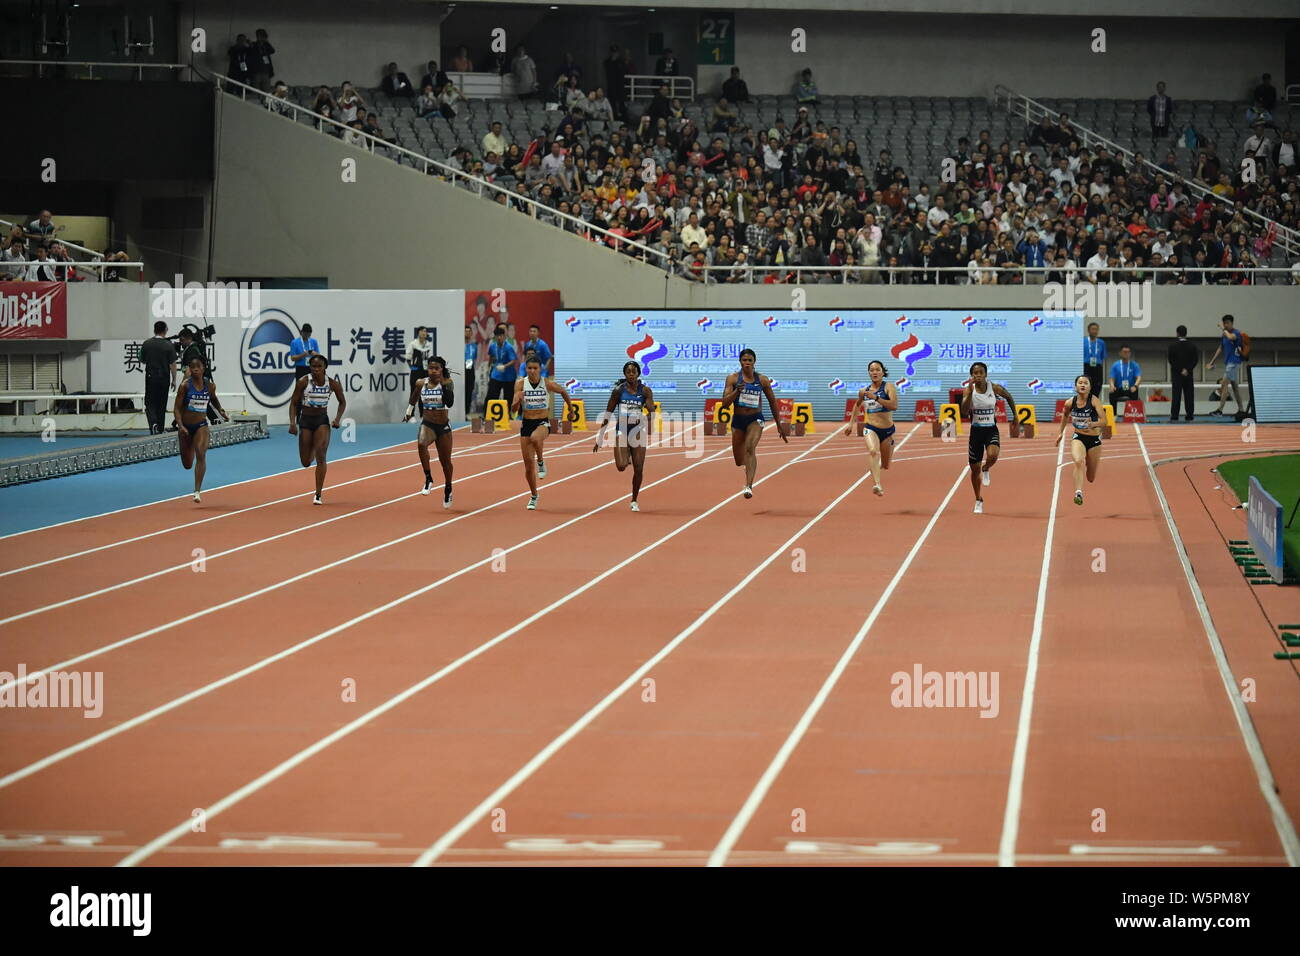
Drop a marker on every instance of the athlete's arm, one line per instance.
(558, 389)
(518, 397)
(853, 415)
(1001, 392)
(730, 390)
(180, 400)
(889, 400)
(965, 401)
(771, 402)
(337, 389)
(294, 403)
(649, 411)
(415, 398)
(216, 402)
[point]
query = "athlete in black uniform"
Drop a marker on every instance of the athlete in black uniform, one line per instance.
(434, 395)
(309, 417)
(1085, 413)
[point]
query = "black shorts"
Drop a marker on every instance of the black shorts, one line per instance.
(309, 423)
(882, 433)
(741, 423)
(1089, 441)
(438, 428)
(194, 429)
(981, 436)
(530, 425)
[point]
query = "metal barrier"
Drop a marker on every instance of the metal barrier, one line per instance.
(95, 265)
(642, 86)
(91, 66)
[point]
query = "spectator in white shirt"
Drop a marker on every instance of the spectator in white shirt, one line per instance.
(42, 268)
(1062, 176)
(1097, 187)
(525, 73)
(493, 141)
(936, 216)
(1258, 146)
(692, 232)
(1162, 245)
(553, 162)
(599, 107)
(1098, 261)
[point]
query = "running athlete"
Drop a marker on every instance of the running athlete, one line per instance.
(193, 397)
(745, 389)
(631, 408)
(980, 404)
(532, 394)
(1085, 413)
(309, 417)
(881, 399)
(435, 398)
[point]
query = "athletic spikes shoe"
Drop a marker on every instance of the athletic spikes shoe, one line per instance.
(979, 507)
(532, 503)
(748, 492)
(985, 480)
(446, 500)
(1078, 497)
(635, 506)
(197, 499)
(879, 492)
(428, 485)
(316, 500)
(541, 469)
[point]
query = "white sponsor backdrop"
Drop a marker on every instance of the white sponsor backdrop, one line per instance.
(365, 334)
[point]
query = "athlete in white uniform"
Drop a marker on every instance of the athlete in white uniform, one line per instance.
(309, 417)
(980, 404)
(1085, 413)
(533, 396)
(435, 397)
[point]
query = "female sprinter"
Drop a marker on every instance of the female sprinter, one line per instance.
(435, 397)
(309, 417)
(745, 389)
(191, 411)
(980, 404)
(1085, 413)
(881, 399)
(631, 407)
(532, 393)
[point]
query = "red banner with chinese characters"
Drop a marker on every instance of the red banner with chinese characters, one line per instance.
(33, 310)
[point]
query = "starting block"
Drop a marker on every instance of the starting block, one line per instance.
(949, 417)
(717, 420)
(561, 426)
(1026, 423)
(794, 415)
(1108, 430)
(481, 426)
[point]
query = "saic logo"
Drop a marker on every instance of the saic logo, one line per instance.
(264, 357)
(836, 323)
(903, 384)
(638, 323)
(1035, 323)
(571, 383)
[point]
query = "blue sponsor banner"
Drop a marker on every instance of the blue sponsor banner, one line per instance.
(1264, 519)
(821, 356)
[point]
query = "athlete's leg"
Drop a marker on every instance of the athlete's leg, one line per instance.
(738, 446)
(1094, 463)
(991, 453)
(186, 447)
(422, 445)
(974, 456)
(873, 459)
(1223, 394)
(1079, 455)
(306, 445)
(444, 459)
(753, 434)
(322, 436)
(530, 464)
(976, 479)
(638, 468)
(200, 457)
(622, 454)
(887, 452)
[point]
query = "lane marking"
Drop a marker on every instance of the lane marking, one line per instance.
(1264, 775)
(1019, 758)
(1083, 849)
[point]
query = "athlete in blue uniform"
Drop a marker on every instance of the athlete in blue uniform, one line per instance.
(745, 389)
(1084, 412)
(435, 397)
(533, 395)
(309, 417)
(193, 397)
(881, 399)
(631, 407)
(980, 404)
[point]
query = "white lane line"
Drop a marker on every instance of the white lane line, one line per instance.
(228, 514)
(88, 595)
(1019, 757)
(160, 501)
(196, 615)
(1264, 775)
(306, 753)
(287, 652)
(738, 825)
(448, 839)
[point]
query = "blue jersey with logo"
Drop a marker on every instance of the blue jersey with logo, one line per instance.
(196, 400)
(1231, 348)
(750, 400)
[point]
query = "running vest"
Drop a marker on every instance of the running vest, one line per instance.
(196, 400)
(316, 398)
(873, 404)
(750, 399)
(1082, 418)
(535, 397)
(983, 406)
(433, 398)
(631, 405)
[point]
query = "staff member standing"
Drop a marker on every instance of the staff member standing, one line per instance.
(301, 350)
(421, 352)
(534, 343)
(471, 357)
(158, 356)
(1094, 357)
(1183, 357)
(1125, 377)
(501, 360)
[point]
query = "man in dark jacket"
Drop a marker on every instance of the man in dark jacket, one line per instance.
(1183, 358)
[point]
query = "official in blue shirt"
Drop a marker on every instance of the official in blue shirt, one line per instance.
(1125, 377)
(502, 358)
(1094, 357)
(534, 343)
(1232, 344)
(301, 349)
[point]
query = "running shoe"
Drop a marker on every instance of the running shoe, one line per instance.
(979, 507)
(985, 480)
(749, 492)
(532, 503)
(428, 486)
(635, 506)
(316, 500)
(541, 468)
(197, 500)
(880, 492)
(446, 500)
(1078, 497)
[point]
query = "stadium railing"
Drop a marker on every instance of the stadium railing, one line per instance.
(643, 86)
(89, 66)
(1017, 104)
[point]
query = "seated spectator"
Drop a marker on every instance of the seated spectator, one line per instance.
(325, 105)
(278, 101)
(447, 100)
(372, 127)
(349, 102)
(598, 107)
(805, 90)
(494, 141)
(396, 83)
(427, 104)
(734, 88)
(725, 117)
(434, 78)
(42, 268)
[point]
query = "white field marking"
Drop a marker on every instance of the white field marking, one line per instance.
(1019, 756)
(228, 514)
(149, 504)
(1281, 821)
(235, 550)
(61, 665)
(1083, 849)
(306, 753)
(520, 776)
(720, 853)
(287, 652)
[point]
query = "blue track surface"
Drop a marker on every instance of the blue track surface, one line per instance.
(20, 446)
(41, 503)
